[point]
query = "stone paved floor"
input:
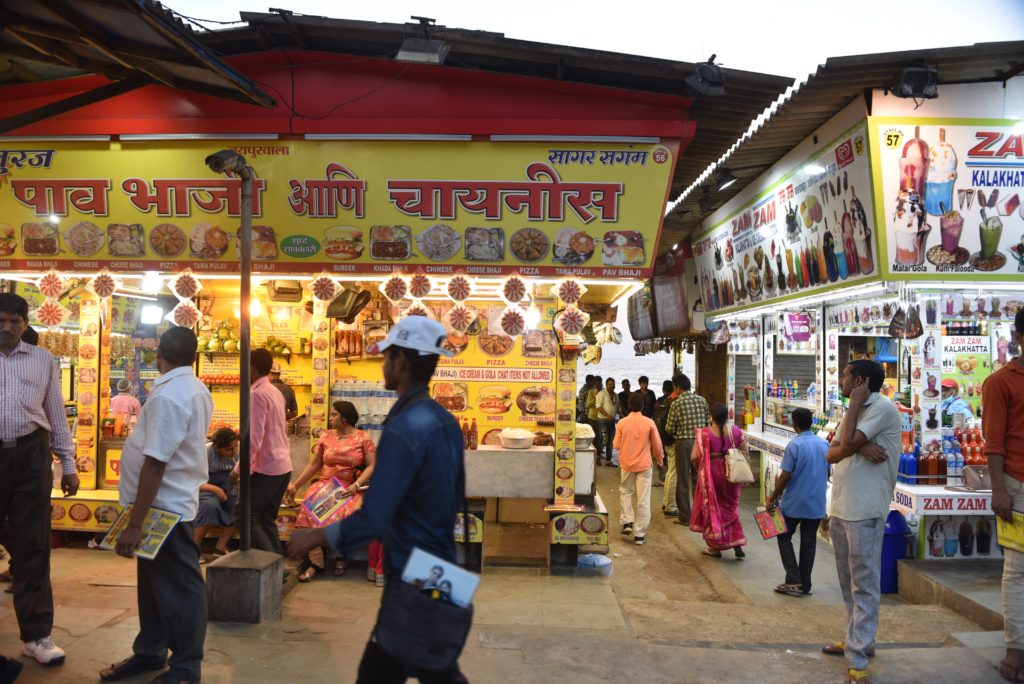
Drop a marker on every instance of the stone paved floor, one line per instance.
(667, 614)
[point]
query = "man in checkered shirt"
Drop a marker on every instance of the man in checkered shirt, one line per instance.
(688, 412)
(32, 423)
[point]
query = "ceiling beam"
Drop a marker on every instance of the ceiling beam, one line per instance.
(71, 103)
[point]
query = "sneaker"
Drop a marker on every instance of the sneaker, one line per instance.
(371, 575)
(379, 580)
(639, 541)
(44, 650)
(626, 530)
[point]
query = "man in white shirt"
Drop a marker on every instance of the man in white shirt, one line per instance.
(605, 404)
(866, 455)
(162, 466)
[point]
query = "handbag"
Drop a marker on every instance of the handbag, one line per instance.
(737, 470)
(422, 632)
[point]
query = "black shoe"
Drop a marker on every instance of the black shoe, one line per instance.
(9, 670)
(626, 530)
(740, 553)
(682, 521)
(639, 541)
(671, 514)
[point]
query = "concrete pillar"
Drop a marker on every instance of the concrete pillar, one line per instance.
(245, 586)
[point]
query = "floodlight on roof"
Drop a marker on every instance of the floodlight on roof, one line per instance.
(707, 79)
(423, 49)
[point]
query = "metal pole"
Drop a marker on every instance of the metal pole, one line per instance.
(245, 460)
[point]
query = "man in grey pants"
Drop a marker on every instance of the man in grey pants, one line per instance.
(866, 457)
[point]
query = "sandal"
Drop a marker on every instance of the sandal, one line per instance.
(713, 554)
(308, 571)
(1010, 673)
(838, 648)
(131, 666)
(794, 590)
(339, 567)
(857, 676)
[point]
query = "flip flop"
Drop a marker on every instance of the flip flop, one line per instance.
(713, 554)
(1010, 674)
(339, 567)
(131, 666)
(789, 590)
(857, 676)
(838, 648)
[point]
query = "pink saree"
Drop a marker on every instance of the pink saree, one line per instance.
(716, 501)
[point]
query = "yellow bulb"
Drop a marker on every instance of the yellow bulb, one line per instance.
(281, 314)
(255, 308)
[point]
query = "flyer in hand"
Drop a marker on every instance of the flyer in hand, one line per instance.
(770, 523)
(155, 531)
(1011, 535)
(440, 579)
(330, 500)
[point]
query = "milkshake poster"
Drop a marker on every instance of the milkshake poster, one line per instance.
(950, 197)
(811, 231)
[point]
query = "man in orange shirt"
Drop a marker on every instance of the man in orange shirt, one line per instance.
(636, 438)
(1002, 398)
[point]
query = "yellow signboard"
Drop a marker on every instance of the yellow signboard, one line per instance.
(589, 209)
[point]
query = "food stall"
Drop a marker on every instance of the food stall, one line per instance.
(897, 237)
(516, 264)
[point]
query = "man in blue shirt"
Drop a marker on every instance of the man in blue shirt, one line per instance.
(415, 492)
(801, 484)
(953, 403)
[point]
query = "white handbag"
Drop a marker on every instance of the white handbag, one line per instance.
(737, 470)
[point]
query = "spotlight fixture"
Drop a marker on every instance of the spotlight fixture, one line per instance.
(423, 49)
(918, 82)
(707, 79)
(706, 200)
(725, 179)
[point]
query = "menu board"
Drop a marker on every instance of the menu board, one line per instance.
(499, 381)
(565, 436)
(319, 398)
(812, 231)
(951, 197)
(967, 360)
(582, 209)
(88, 368)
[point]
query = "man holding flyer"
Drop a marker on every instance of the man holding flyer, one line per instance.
(416, 491)
(162, 466)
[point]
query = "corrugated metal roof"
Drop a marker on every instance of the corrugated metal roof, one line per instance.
(834, 85)
(720, 120)
(124, 40)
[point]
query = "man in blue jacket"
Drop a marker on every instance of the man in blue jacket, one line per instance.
(414, 496)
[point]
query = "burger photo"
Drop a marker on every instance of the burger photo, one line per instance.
(7, 240)
(494, 399)
(343, 243)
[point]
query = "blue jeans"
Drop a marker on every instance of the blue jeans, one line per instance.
(605, 430)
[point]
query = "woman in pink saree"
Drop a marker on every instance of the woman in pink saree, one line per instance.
(716, 501)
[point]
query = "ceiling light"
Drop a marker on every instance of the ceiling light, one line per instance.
(152, 282)
(725, 179)
(706, 201)
(707, 79)
(918, 82)
(151, 314)
(422, 49)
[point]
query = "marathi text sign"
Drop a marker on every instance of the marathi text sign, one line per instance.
(349, 207)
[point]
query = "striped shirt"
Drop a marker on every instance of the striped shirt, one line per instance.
(30, 399)
(688, 412)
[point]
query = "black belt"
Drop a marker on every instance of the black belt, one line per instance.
(24, 439)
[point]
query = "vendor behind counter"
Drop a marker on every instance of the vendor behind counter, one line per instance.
(952, 403)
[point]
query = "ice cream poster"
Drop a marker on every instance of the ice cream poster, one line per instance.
(811, 231)
(950, 195)
(967, 360)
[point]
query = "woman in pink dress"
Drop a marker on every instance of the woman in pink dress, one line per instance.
(716, 501)
(347, 454)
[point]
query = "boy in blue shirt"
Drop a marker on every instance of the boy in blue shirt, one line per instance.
(801, 486)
